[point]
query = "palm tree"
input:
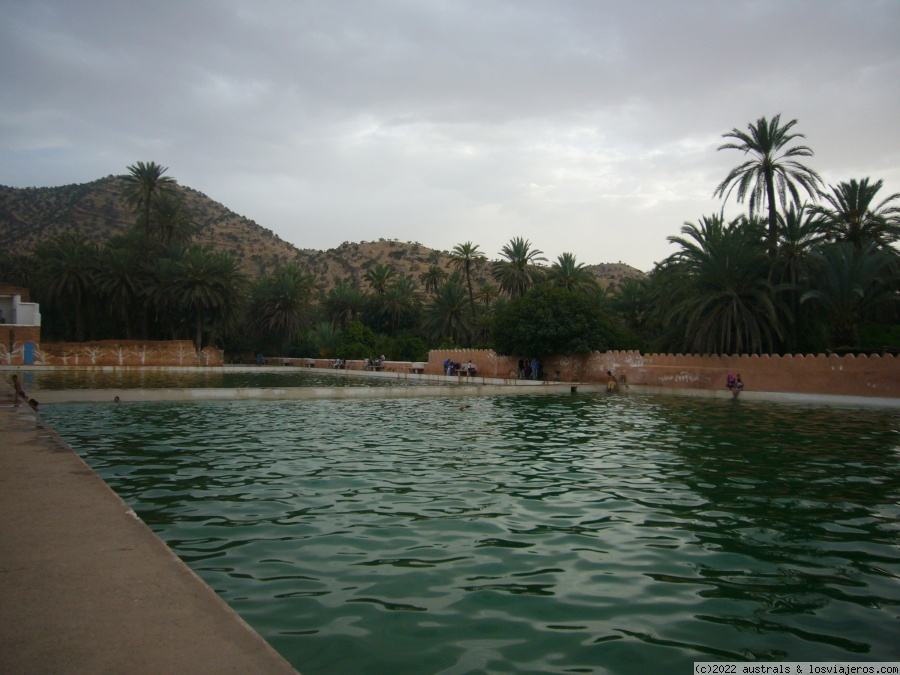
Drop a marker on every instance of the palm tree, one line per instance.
(566, 273)
(144, 185)
(173, 221)
(343, 304)
(379, 277)
(157, 296)
(282, 304)
(519, 271)
(433, 277)
(487, 293)
(210, 285)
(466, 257)
(401, 301)
(798, 235)
(724, 301)
(325, 337)
(16, 269)
(120, 278)
(67, 274)
(448, 314)
(848, 283)
(852, 215)
(633, 304)
(771, 168)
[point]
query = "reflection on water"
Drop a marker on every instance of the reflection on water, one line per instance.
(590, 534)
(150, 378)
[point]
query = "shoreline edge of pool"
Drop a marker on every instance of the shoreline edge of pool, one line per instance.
(86, 586)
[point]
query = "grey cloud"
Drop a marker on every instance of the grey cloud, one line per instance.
(586, 126)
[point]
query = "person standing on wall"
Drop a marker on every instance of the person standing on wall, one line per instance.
(19, 391)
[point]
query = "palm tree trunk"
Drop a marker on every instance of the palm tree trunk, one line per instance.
(199, 330)
(772, 244)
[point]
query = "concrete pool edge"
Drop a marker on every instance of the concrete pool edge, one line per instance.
(460, 391)
(86, 586)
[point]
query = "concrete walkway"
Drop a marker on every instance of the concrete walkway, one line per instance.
(87, 587)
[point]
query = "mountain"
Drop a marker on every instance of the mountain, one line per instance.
(29, 216)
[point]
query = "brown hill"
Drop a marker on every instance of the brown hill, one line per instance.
(29, 216)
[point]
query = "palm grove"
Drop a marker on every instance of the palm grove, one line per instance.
(807, 268)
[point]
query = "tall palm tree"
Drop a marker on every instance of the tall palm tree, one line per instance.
(852, 215)
(282, 304)
(519, 271)
(144, 186)
(725, 302)
(210, 285)
(466, 258)
(67, 275)
(848, 283)
(566, 273)
(770, 169)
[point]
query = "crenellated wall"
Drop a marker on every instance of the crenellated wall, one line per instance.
(876, 376)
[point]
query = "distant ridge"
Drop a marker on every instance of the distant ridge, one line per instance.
(97, 210)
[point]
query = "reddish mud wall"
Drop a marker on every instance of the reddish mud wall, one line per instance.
(876, 376)
(112, 353)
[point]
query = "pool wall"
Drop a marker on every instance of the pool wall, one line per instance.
(817, 375)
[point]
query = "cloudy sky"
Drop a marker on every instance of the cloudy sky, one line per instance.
(584, 126)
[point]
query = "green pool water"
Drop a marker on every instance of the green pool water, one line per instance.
(544, 534)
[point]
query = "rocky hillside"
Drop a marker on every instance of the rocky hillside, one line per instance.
(29, 216)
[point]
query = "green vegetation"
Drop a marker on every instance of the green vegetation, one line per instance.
(808, 276)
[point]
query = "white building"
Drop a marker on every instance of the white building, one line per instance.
(15, 311)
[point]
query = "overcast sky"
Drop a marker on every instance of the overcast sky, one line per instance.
(583, 126)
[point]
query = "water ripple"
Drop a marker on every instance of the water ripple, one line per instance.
(616, 534)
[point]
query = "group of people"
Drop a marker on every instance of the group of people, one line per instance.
(529, 369)
(373, 363)
(734, 384)
(453, 368)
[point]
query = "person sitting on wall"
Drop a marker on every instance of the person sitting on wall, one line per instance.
(470, 369)
(611, 381)
(729, 382)
(738, 386)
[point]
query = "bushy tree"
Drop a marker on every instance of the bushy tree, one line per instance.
(549, 320)
(357, 342)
